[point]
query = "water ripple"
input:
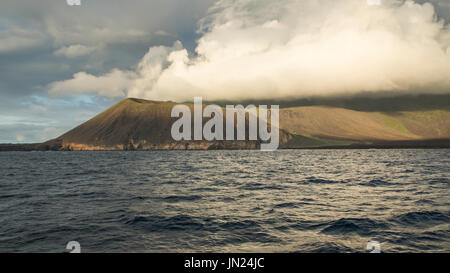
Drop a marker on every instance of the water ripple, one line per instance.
(225, 201)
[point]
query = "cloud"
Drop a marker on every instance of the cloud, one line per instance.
(118, 83)
(110, 85)
(74, 51)
(108, 33)
(289, 48)
(121, 33)
(15, 39)
(303, 48)
(88, 34)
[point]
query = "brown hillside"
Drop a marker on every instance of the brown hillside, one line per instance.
(339, 123)
(145, 125)
(121, 126)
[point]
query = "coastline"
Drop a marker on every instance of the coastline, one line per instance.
(407, 144)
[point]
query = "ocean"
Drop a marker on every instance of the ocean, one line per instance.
(225, 201)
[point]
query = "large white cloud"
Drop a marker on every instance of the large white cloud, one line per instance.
(113, 84)
(294, 48)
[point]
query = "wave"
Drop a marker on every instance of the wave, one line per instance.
(162, 224)
(361, 226)
(205, 224)
(286, 205)
(324, 247)
(179, 198)
(421, 218)
(314, 180)
(260, 186)
(375, 183)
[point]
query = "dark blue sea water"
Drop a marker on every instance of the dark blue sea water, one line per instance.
(221, 201)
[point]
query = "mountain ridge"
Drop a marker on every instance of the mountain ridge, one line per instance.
(137, 124)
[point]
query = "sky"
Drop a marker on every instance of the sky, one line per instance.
(60, 65)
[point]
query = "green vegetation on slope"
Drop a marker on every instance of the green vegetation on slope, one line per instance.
(394, 123)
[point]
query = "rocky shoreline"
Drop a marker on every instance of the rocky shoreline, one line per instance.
(57, 145)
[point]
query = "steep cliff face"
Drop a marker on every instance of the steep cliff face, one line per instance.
(135, 124)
